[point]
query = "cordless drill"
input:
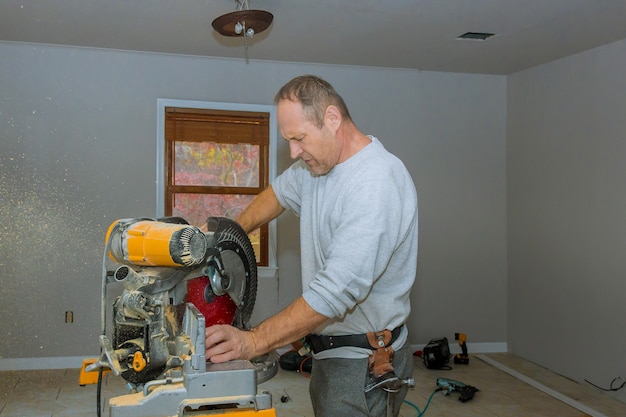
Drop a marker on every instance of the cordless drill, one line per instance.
(461, 358)
(450, 385)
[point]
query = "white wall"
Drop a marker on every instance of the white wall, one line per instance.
(77, 151)
(566, 157)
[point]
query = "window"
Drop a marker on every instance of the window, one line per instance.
(214, 159)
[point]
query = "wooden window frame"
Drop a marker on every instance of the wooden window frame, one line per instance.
(230, 125)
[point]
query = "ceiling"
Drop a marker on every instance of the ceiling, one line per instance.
(415, 34)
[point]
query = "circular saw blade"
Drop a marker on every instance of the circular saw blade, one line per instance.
(239, 275)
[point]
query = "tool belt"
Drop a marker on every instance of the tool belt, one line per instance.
(380, 365)
(319, 343)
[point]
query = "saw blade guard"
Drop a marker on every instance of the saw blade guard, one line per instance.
(232, 266)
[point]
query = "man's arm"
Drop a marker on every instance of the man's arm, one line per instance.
(262, 209)
(226, 343)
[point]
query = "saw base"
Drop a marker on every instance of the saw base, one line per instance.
(228, 388)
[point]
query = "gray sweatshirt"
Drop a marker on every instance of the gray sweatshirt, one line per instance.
(358, 237)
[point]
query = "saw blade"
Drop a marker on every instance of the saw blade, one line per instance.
(238, 272)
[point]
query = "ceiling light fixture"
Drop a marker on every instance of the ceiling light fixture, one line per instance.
(243, 22)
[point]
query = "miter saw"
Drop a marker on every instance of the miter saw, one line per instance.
(177, 280)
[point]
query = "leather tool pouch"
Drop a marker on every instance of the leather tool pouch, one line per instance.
(380, 361)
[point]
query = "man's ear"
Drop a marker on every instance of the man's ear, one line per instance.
(332, 118)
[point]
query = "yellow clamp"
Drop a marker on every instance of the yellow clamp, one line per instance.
(139, 362)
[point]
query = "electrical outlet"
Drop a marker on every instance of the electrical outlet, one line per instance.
(69, 317)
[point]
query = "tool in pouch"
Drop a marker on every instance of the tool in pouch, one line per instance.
(380, 364)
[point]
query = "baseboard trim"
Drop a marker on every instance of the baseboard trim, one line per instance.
(496, 347)
(588, 411)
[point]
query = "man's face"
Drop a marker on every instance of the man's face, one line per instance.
(318, 148)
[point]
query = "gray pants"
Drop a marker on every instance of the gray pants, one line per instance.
(337, 387)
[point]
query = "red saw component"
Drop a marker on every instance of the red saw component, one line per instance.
(215, 309)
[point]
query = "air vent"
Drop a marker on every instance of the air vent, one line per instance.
(476, 36)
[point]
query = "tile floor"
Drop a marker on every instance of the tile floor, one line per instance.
(56, 393)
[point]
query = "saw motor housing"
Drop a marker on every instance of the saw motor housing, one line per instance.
(176, 280)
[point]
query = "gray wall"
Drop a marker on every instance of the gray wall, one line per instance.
(77, 151)
(540, 152)
(566, 168)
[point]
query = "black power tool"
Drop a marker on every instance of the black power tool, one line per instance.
(450, 385)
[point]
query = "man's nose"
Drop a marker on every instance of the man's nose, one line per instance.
(295, 151)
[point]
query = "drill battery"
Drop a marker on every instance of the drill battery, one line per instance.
(461, 358)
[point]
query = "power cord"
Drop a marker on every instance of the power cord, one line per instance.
(611, 387)
(420, 413)
(302, 371)
(99, 393)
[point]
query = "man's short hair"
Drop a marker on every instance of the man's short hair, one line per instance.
(315, 95)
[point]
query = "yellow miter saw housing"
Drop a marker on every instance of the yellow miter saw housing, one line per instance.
(175, 281)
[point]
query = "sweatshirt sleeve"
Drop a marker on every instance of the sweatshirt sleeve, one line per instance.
(287, 187)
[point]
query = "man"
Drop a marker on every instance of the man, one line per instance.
(358, 225)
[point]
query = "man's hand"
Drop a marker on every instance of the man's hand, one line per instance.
(225, 343)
